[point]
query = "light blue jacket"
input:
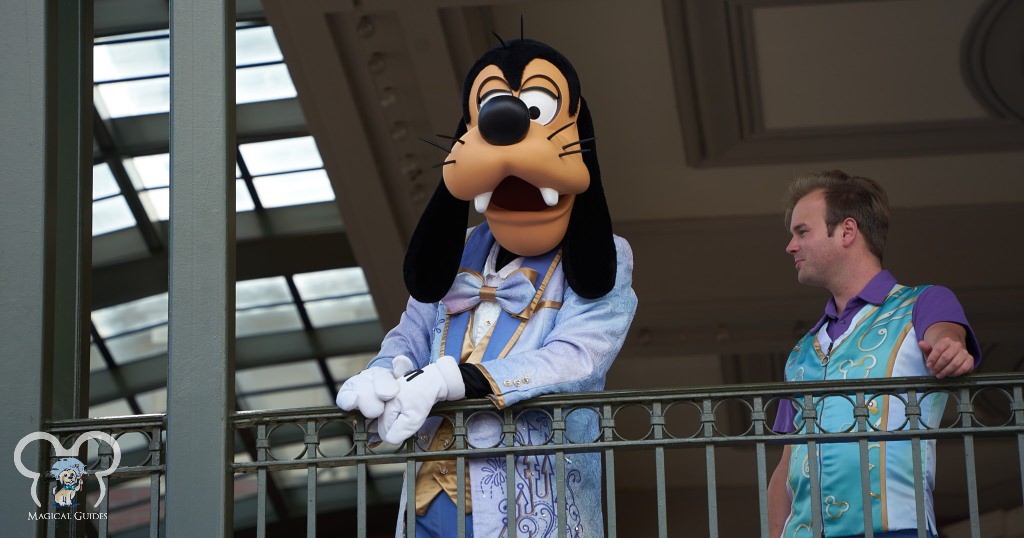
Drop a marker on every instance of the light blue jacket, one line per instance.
(566, 345)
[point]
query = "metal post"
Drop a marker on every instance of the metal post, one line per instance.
(200, 378)
(69, 200)
(72, 208)
(25, 172)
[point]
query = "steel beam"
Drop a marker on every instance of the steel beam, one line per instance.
(202, 270)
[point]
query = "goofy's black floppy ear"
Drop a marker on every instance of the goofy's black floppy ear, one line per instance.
(435, 251)
(588, 249)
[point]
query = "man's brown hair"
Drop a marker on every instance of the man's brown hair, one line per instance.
(859, 198)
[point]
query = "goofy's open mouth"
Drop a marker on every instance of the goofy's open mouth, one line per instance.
(516, 194)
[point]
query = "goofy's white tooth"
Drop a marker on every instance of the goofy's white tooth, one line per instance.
(550, 196)
(482, 201)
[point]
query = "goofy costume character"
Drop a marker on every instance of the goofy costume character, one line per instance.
(536, 300)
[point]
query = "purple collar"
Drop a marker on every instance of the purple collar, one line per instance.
(874, 292)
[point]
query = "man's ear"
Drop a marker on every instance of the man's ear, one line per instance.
(850, 231)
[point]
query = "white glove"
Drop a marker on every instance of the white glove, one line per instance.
(418, 391)
(370, 389)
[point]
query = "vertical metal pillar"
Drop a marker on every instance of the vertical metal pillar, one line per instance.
(46, 197)
(71, 201)
(26, 286)
(200, 376)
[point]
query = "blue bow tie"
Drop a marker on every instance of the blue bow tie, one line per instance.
(514, 295)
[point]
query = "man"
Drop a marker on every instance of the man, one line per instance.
(872, 327)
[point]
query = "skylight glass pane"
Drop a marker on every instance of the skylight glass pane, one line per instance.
(157, 203)
(111, 214)
(294, 189)
(256, 45)
(96, 362)
(151, 171)
(261, 292)
(291, 399)
(139, 345)
(116, 408)
(337, 311)
(132, 59)
(243, 200)
(281, 155)
(124, 317)
(154, 401)
(103, 182)
(267, 320)
(276, 377)
(263, 83)
(342, 368)
(136, 97)
(331, 283)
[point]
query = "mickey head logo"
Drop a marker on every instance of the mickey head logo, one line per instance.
(62, 452)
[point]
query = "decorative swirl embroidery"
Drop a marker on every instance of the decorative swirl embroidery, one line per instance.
(535, 484)
(887, 318)
(439, 325)
(882, 333)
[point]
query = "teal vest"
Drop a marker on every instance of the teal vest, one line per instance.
(870, 349)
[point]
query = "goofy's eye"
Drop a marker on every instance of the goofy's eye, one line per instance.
(491, 95)
(541, 103)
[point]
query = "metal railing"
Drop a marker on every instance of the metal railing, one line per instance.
(656, 421)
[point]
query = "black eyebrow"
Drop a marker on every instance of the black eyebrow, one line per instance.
(480, 98)
(549, 79)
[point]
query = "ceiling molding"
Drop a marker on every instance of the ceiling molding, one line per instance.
(992, 53)
(721, 109)
(322, 44)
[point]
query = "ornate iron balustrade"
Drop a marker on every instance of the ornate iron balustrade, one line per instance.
(657, 421)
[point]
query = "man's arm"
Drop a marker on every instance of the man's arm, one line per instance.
(945, 350)
(779, 503)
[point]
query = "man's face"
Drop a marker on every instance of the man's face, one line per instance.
(815, 254)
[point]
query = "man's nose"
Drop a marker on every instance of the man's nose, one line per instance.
(791, 247)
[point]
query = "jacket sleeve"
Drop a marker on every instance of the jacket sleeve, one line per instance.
(412, 336)
(577, 353)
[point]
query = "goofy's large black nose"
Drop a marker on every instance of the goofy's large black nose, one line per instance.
(504, 120)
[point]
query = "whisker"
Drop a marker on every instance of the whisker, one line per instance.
(574, 151)
(560, 129)
(459, 140)
(443, 164)
(438, 146)
(591, 139)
